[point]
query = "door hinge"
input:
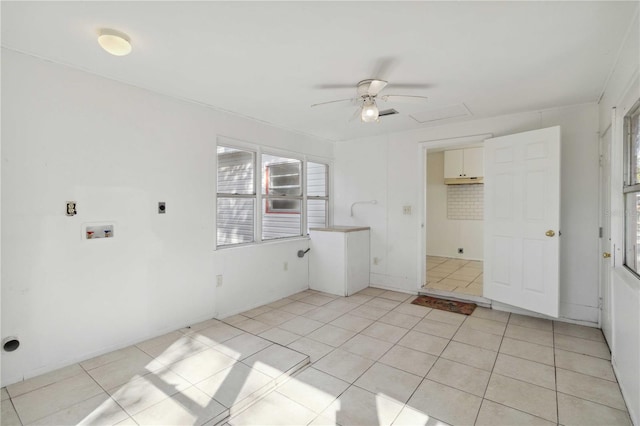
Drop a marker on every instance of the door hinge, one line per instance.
(600, 232)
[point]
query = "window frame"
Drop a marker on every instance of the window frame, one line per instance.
(268, 198)
(258, 212)
(631, 186)
(225, 195)
(318, 197)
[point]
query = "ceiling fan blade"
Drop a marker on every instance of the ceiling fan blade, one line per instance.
(332, 102)
(376, 86)
(333, 86)
(411, 86)
(356, 114)
(404, 98)
(383, 67)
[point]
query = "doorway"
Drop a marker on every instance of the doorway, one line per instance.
(454, 229)
(520, 218)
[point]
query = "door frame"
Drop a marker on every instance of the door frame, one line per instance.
(605, 266)
(423, 147)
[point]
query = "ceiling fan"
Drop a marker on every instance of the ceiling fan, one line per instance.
(367, 92)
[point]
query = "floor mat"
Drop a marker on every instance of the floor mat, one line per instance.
(445, 305)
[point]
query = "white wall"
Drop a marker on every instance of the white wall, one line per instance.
(621, 93)
(117, 150)
(445, 236)
(387, 168)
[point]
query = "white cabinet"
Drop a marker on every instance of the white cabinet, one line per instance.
(463, 163)
(339, 260)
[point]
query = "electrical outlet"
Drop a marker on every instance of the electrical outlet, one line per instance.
(286, 266)
(218, 280)
(460, 251)
(71, 208)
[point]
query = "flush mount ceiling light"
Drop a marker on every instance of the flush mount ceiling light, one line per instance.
(114, 42)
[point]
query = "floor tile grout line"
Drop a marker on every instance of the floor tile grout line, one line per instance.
(555, 371)
(48, 384)
(15, 410)
(374, 361)
(583, 338)
(76, 402)
(434, 362)
(517, 409)
(491, 372)
(626, 411)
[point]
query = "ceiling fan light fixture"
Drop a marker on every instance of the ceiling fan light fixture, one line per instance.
(114, 42)
(370, 111)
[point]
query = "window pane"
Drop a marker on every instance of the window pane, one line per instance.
(632, 230)
(281, 176)
(235, 220)
(280, 224)
(235, 171)
(634, 131)
(316, 214)
(316, 180)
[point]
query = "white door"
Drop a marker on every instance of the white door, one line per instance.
(606, 261)
(522, 220)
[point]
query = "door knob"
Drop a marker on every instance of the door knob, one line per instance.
(550, 233)
(606, 255)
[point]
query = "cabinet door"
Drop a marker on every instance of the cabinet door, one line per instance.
(453, 161)
(473, 162)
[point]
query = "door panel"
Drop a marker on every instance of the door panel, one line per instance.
(522, 203)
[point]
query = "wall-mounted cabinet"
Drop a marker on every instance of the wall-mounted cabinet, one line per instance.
(463, 165)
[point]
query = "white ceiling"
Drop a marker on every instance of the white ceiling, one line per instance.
(268, 60)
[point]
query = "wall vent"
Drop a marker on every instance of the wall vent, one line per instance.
(387, 112)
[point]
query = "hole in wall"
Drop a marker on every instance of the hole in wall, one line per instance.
(10, 344)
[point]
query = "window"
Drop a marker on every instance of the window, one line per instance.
(236, 196)
(281, 197)
(294, 196)
(317, 195)
(632, 189)
(283, 179)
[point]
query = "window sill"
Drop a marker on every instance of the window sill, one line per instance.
(264, 243)
(627, 277)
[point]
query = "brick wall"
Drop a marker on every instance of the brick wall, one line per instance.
(465, 202)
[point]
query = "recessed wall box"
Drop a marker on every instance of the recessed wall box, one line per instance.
(98, 231)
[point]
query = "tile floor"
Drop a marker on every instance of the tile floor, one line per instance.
(374, 359)
(455, 275)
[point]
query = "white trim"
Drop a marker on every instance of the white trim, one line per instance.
(422, 219)
(456, 141)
